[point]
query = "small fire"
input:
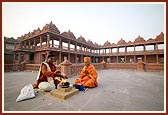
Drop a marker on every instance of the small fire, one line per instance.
(62, 80)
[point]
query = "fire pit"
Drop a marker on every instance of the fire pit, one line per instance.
(64, 91)
(64, 84)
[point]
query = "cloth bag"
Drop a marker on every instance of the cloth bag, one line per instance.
(46, 86)
(27, 92)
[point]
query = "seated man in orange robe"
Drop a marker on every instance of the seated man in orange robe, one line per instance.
(47, 72)
(88, 75)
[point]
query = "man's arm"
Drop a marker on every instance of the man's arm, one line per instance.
(83, 73)
(92, 73)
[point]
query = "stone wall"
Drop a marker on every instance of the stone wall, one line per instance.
(76, 68)
(13, 67)
(154, 67)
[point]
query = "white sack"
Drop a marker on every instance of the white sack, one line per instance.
(27, 92)
(46, 86)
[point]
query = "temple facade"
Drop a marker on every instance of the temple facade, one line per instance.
(35, 46)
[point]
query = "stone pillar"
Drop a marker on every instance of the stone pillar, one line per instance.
(29, 44)
(125, 59)
(60, 43)
(156, 47)
(19, 57)
(40, 41)
(34, 43)
(69, 56)
(14, 57)
(69, 45)
(93, 59)
(48, 40)
(76, 58)
(66, 67)
(110, 59)
(24, 44)
(81, 59)
(157, 58)
(141, 66)
(144, 47)
(104, 64)
(59, 57)
(75, 46)
(145, 58)
(52, 43)
(135, 58)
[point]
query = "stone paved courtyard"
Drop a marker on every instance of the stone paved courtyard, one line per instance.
(118, 91)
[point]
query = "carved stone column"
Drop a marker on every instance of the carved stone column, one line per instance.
(59, 57)
(141, 66)
(48, 40)
(29, 44)
(40, 41)
(34, 43)
(52, 43)
(60, 43)
(66, 67)
(157, 58)
(69, 56)
(82, 58)
(145, 53)
(69, 45)
(76, 47)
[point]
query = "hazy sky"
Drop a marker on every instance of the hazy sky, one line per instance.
(98, 22)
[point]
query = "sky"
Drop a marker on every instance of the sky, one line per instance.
(98, 22)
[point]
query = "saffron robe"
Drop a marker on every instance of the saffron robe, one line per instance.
(47, 73)
(88, 77)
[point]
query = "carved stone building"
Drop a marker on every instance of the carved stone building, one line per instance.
(9, 46)
(35, 46)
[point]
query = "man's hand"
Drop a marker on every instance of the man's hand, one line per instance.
(57, 72)
(86, 72)
(65, 77)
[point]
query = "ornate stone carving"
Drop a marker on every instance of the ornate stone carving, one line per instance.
(139, 40)
(150, 40)
(36, 32)
(130, 43)
(69, 34)
(82, 39)
(95, 44)
(26, 36)
(90, 42)
(50, 27)
(121, 42)
(160, 37)
(107, 43)
(114, 45)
